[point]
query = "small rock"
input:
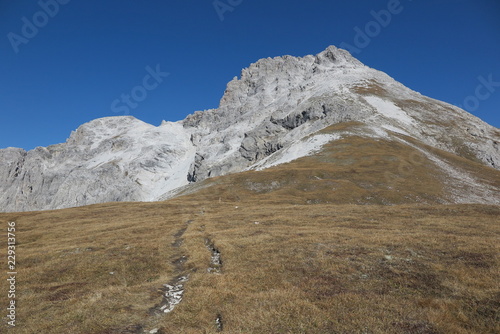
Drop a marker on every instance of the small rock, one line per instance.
(218, 323)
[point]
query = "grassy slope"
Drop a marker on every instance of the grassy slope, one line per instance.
(314, 263)
(354, 170)
(302, 269)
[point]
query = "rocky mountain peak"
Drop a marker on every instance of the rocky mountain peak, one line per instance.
(273, 76)
(272, 114)
(92, 132)
(337, 57)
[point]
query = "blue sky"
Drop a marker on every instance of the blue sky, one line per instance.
(77, 62)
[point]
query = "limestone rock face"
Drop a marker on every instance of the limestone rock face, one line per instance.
(274, 104)
(110, 159)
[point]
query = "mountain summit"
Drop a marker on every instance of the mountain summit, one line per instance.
(279, 110)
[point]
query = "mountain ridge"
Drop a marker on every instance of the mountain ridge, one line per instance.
(275, 104)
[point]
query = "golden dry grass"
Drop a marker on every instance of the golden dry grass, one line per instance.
(354, 170)
(371, 87)
(301, 269)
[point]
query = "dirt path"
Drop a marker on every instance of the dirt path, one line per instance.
(172, 291)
